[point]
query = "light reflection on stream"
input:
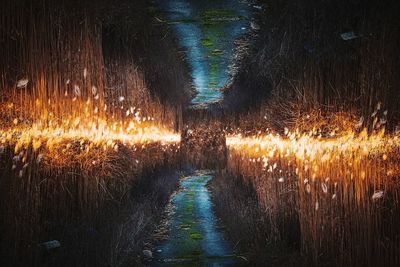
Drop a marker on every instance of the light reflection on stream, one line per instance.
(194, 237)
(207, 31)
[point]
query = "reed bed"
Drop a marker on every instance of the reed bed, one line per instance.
(246, 223)
(203, 140)
(59, 63)
(298, 62)
(318, 127)
(66, 185)
(342, 190)
(82, 115)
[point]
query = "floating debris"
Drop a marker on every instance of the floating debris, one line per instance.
(94, 90)
(77, 90)
(50, 245)
(22, 83)
(39, 158)
(308, 188)
(346, 36)
(254, 26)
(360, 123)
(377, 195)
(324, 188)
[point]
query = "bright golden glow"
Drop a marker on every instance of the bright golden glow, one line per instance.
(314, 154)
(307, 146)
(54, 125)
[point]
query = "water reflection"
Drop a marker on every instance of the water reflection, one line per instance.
(194, 237)
(207, 30)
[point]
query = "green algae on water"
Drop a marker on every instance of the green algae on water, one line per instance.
(207, 42)
(196, 236)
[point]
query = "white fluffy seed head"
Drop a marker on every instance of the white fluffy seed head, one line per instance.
(22, 83)
(377, 195)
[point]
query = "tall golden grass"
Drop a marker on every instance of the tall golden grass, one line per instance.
(43, 193)
(55, 66)
(80, 120)
(298, 73)
(342, 190)
(298, 62)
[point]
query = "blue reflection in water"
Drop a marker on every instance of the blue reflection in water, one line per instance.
(207, 31)
(194, 238)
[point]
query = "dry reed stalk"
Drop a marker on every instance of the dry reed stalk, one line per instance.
(345, 201)
(59, 74)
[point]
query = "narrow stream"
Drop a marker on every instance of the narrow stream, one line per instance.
(206, 30)
(194, 238)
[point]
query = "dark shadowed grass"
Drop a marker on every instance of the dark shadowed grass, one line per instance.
(99, 213)
(246, 223)
(122, 231)
(109, 51)
(298, 61)
(203, 140)
(298, 72)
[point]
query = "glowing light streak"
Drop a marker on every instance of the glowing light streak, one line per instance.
(89, 129)
(306, 147)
